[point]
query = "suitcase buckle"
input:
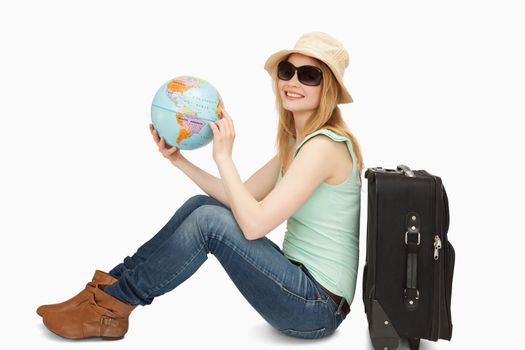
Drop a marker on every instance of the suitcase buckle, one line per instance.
(412, 290)
(412, 233)
(411, 299)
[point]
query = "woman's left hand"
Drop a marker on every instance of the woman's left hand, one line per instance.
(223, 137)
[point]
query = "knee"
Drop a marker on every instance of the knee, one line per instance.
(198, 198)
(216, 221)
(214, 214)
(193, 203)
(202, 199)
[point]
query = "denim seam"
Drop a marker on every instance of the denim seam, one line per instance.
(321, 332)
(333, 306)
(304, 299)
(316, 284)
(169, 280)
(264, 272)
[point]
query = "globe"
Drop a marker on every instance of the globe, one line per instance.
(181, 110)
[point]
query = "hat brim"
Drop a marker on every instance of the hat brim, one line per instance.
(271, 65)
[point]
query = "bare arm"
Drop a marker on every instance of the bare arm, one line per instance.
(210, 184)
(258, 218)
(259, 184)
(263, 180)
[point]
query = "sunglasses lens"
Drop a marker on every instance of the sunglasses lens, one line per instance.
(309, 75)
(285, 70)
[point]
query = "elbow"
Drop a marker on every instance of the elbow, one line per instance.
(253, 229)
(249, 235)
(254, 234)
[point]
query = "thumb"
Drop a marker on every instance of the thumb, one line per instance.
(212, 126)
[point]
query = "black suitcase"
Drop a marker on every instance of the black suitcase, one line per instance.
(407, 279)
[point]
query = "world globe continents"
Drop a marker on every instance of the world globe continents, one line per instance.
(181, 110)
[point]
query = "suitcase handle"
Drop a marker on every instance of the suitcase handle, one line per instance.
(412, 241)
(405, 169)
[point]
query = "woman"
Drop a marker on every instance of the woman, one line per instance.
(303, 290)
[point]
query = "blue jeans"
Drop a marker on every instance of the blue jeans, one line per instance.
(284, 294)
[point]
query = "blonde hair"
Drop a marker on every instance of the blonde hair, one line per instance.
(326, 116)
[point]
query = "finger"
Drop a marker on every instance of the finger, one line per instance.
(167, 151)
(226, 114)
(226, 127)
(221, 125)
(152, 128)
(155, 136)
(232, 128)
(228, 120)
(212, 127)
(162, 143)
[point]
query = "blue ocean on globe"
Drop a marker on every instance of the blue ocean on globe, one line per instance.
(181, 110)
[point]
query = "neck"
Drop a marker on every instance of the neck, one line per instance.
(300, 118)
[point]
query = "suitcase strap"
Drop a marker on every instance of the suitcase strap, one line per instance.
(412, 241)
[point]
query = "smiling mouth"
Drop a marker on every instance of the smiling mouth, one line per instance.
(292, 96)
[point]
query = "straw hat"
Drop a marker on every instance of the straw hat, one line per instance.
(323, 47)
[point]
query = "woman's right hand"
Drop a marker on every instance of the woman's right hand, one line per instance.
(171, 153)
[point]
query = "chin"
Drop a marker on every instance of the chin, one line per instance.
(292, 107)
(295, 108)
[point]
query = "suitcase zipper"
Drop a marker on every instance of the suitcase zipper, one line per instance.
(438, 267)
(436, 319)
(448, 255)
(437, 247)
(434, 329)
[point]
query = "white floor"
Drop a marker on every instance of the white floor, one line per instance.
(208, 311)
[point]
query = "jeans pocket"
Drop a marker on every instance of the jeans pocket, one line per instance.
(338, 319)
(310, 293)
(320, 293)
(314, 334)
(313, 297)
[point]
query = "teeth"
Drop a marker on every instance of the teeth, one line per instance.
(292, 94)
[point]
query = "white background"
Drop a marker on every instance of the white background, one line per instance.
(437, 86)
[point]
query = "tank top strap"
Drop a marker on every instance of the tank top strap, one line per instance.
(335, 137)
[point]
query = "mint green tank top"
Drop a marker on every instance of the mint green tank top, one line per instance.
(323, 234)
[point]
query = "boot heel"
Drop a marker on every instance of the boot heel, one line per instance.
(112, 338)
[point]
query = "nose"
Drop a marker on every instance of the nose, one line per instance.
(295, 80)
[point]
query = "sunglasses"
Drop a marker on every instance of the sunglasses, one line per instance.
(308, 75)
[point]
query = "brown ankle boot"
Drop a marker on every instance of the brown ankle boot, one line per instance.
(101, 316)
(99, 277)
